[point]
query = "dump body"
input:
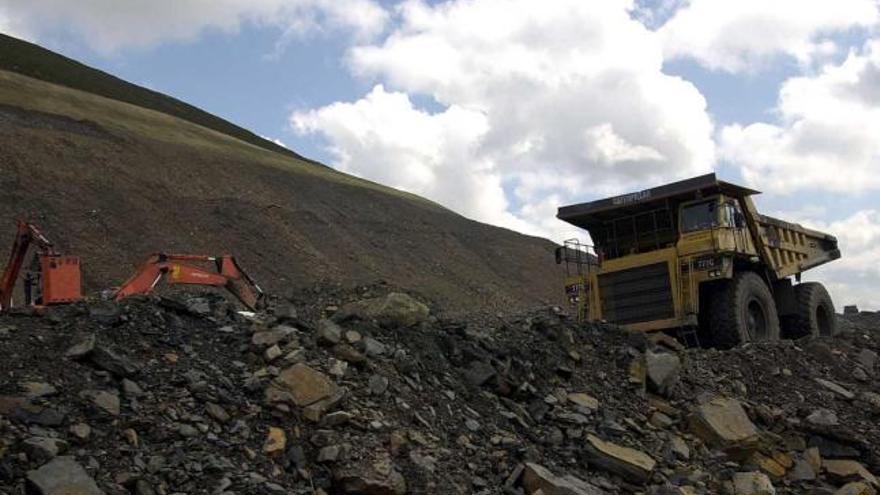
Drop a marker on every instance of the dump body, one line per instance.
(656, 250)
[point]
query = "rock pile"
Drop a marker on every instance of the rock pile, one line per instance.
(369, 393)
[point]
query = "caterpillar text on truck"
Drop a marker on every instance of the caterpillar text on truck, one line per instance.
(696, 257)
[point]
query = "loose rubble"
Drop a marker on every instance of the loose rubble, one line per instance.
(368, 391)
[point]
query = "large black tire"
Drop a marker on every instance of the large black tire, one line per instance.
(814, 315)
(742, 310)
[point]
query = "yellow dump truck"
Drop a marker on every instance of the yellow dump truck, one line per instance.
(695, 256)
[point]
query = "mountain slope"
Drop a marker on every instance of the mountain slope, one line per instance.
(111, 181)
(34, 61)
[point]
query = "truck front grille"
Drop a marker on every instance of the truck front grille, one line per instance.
(637, 294)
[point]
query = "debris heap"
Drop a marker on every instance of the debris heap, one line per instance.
(368, 392)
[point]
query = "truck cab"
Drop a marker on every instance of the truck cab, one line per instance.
(665, 257)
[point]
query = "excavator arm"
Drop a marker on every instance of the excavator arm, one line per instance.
(172, 268)
(26, 235)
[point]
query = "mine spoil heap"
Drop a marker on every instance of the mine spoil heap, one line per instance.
(367, 391)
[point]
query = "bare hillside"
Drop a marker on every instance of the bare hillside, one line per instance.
(112, 181)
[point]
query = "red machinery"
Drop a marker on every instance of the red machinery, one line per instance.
(51, 278)
(228, 274)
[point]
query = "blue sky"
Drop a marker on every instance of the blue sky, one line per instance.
(503, 109)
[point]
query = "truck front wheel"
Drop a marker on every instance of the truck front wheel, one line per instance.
(742, 310)
(814, 315)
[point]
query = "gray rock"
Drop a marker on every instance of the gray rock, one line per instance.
(272, 353)
(62, 476)
(394, 310)
(378, 384)
(868, 359)
(329, 453)
(837, 389)
(349, 354)
(278, 335)
(108, 360)
(662, 370)
(104, 400)
(424, 462)
(80, 431)
(33, 390)
(723, 423)
(752, 483)
(336, 419)
(538, 479)
(679, 448)
(802, 471)
(301, 386)
(187, 431)
(371, 481)
(217, 412)
(105, 312)
(823, 417)
(131, 388)
(633, 465)
(872, 399)
(373, 347)
(479, 373)
(199, 305)
(328, 333)
(82, 348)
(43, 449)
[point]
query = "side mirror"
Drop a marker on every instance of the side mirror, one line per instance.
(559, 252)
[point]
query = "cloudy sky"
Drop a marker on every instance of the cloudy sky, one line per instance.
(504, 109)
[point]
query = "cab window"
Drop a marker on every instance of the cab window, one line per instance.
(699, 216)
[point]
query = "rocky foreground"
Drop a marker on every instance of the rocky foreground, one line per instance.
(366, 392)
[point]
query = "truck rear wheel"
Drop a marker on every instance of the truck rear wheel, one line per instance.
(742, 310)
(814, 315)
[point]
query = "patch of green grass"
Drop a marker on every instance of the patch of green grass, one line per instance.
(37, 62)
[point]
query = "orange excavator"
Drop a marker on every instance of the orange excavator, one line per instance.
(50, 279)
(228, 274)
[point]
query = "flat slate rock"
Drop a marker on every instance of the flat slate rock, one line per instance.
(62, 476)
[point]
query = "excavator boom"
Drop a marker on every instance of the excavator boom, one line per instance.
(228, 274)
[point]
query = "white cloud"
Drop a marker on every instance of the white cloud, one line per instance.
(12, 25)
(553, 101)
(746, 35)
(109, 25)
(827, 135)
(855, 278)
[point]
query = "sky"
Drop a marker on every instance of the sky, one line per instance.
(503, 110)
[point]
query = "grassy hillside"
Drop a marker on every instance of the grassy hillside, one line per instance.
(111, 182)
(37, 62)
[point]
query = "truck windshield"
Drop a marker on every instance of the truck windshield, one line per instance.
(699, 216)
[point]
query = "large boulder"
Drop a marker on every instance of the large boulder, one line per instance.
(391, 311)
(537, 477)
(62, 476)
(301, 386)
(662, 369)
(723, 423)
(633, 465)
(845, 471)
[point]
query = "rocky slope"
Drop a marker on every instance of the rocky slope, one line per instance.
(367, 391)
(112, 179)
